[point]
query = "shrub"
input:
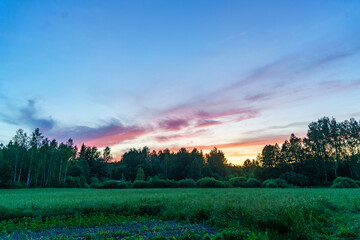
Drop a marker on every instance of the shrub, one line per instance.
(110, 184)
(15, 185)
(94, 180)
(253, 183)
(269, 183)
(140, 184)
(344, 182)
(172, 183)
(156, 182)
(295, 178)
(187, 183)
(226, 184)
(238, 182)
(73, 182)
(209, 182)
(281, 183)
(82, 180)
(97, 185)
(357, 182)
(124, 184)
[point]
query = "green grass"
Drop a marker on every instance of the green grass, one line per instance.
(276, 213)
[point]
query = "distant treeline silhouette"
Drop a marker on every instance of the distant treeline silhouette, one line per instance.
(331, 149)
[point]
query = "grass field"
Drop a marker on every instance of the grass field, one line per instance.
(180, 213)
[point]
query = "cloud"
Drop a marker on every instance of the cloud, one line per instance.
(106, 135)
(275, 127)
(338, 85)
(172, 137)
(28, 116)
(245, 143)
(260, 90)
(284, 68)
(240, 101)
(173, 124)
(207, 123)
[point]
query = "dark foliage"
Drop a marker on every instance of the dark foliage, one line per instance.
(140, 184)
(331, 149)
(209, 182)
(295, 178)
(269, 183)
(238, 182)
(187, 183)
(253, 183)
(344, 182)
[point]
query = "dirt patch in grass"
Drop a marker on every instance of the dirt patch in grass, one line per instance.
(147, 230)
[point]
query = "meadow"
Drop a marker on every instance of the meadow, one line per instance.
(231, 213)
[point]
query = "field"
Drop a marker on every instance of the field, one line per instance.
(180, 213)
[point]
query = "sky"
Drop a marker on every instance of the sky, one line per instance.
(168, 74)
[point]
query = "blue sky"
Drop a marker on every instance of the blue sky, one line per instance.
(233, 74)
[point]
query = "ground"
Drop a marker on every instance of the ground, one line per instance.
(234, 213)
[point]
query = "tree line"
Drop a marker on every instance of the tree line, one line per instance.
(330, 149)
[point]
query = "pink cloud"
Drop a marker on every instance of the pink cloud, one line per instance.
(115, 138)
(173, 124)
(249, 143)
(172, 137)
(106, 135)
(207, 123)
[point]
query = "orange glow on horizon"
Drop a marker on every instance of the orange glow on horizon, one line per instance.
(236, 152)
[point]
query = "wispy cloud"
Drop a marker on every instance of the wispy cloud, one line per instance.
(207, 123)
(173, 123)
(173, 137)
(260, 90)
(109, 134)
(28, 116)
(299, 63)
(258, 141)
(260, 131)
(245, 99)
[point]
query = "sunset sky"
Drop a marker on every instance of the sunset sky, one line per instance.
(170, 74)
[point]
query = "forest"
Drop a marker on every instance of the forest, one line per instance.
(330, 149)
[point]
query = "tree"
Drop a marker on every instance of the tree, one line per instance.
(216, 161)
(318, 140)
(270, 156)
(140, 174)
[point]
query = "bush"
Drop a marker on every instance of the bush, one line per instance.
(295, 178)
(357, 182)
(281, 183)
(209, 182)
(94, 180)
(114, 184)
(187, 183)
(269, 183)
(124, 184)
(156, 182)
(74, 182)
(15, 185)
(238, 182)
(344, 182)
(97, 185)
(111, 184)
(226, 184)
(253, 183)
(140, 184)
(83, 182)
(276, 183)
